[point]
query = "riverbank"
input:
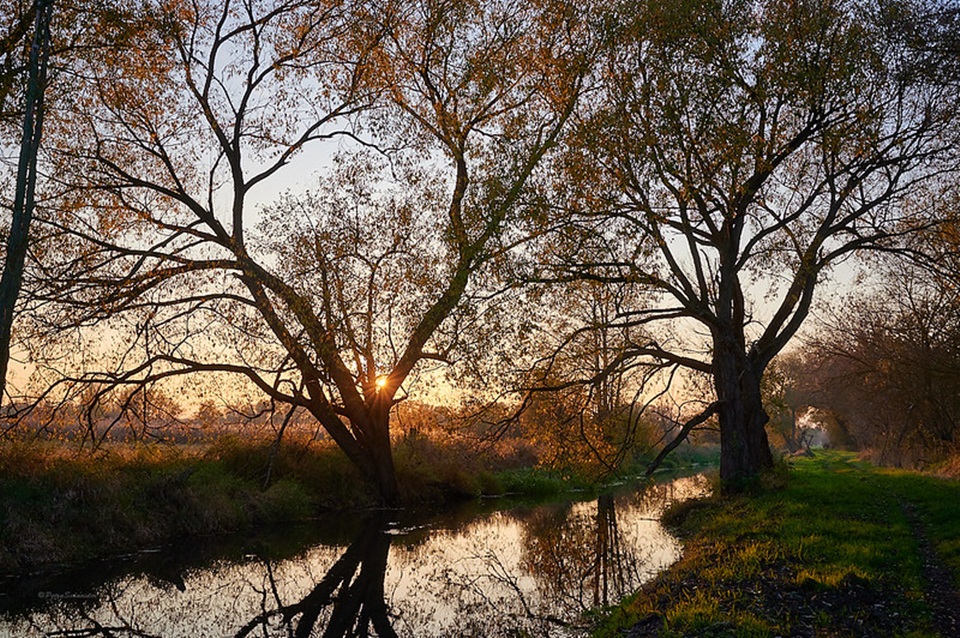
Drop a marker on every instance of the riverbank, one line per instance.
(840, 549)
(59, 507)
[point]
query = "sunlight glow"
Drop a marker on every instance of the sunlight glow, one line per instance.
(381, 382)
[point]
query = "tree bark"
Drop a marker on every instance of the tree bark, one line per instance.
(381, 455)
(26, 182)
(744, 448)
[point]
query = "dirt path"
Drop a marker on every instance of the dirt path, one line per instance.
(941, 594)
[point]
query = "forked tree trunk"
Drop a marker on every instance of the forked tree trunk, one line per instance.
(744, 448)
(366, 442)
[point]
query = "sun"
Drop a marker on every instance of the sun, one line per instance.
(381, 382)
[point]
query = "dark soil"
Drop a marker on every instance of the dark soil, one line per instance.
(853, 608)
(939, 589)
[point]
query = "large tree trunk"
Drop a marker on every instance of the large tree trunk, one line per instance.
(381, 455)
(744, 448)
(374, 458)
(366, 441)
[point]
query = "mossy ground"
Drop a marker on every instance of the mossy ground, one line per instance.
(832, 552)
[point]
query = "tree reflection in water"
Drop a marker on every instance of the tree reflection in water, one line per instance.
(590, 556)
(355, 601)
(529, 571)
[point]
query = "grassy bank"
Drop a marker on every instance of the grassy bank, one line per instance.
(840, 550)
(58, 506)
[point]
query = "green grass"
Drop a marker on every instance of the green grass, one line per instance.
(538, 482)
(831, 552)
(938, 504)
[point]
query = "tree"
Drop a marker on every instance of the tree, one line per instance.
(738, 153)
(43, 45)
(786, 400)
(582, 399)
(26, 180)
(887, 363)
(14, 40)
(327, 300)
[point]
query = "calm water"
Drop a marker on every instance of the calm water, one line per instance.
(481, 571)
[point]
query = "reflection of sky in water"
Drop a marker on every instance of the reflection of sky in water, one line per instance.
(536, 568)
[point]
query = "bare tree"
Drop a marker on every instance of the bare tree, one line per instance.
(886, 362)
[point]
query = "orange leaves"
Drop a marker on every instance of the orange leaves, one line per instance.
(467, 69)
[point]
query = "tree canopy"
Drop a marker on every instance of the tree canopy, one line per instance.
(327, 198)
(738, 153)
(433, 119)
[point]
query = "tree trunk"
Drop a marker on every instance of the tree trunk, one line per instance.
(26, 182)
(385, 473)
(381, 454)
(744, 448)
(366, 442)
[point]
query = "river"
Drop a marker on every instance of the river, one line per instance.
(494, 568)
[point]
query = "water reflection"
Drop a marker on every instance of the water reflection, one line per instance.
(348, 599)
(532, 569)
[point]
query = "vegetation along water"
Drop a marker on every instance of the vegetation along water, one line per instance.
(840, 549)
(268, 262)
